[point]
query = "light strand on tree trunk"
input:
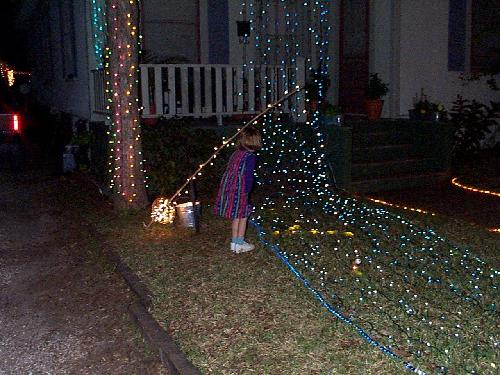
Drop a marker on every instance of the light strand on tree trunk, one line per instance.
(126, 161)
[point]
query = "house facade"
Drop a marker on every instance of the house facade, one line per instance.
(420, 45)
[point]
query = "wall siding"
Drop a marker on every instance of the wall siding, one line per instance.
(50, 85)
(424, 57)
(170, 29)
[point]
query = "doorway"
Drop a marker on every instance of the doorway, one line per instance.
(353, 55)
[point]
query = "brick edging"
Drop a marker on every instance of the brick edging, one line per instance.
(170, 355)
(133, 281)
(160, 341)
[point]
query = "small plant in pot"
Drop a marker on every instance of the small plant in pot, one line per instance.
(317, 80)
(331, 115)
(425, 110)
(375, 91)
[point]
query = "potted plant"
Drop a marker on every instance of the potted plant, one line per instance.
(312, 87)
(425, 110)
(331, 115)
(375, 91)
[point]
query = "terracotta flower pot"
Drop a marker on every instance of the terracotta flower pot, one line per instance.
(374, 108)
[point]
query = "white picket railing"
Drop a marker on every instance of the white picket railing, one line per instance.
(99, 86)
(194, 90)
(205, 90)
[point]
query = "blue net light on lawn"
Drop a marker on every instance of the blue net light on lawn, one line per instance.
(396, 284)
(402, 287)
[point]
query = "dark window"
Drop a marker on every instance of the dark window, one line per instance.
(474, 36)
(218, 31)
(48, 44)
(457, 34)
(68, 45)
(43, 49)
(485, 36)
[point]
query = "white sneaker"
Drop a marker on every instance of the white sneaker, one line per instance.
(233, 246)
(243, 248)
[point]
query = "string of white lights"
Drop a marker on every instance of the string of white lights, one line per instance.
(163, 209)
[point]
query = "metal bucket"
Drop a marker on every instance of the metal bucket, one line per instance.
(186, 214)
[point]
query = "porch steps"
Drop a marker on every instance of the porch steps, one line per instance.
(381, 152)
(386, 156)
(397, 182)
(380, 169)
(387, 137)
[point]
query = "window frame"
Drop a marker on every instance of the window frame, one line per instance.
(460, 35)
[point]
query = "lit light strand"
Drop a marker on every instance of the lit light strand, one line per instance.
(99, 30)
(380, 288)
(163, 211)
(473, 189)
(10, 78)
(331, 309)
(400, 259)
(407, 208)
(126, 162)
(9, 74)
(419, 210)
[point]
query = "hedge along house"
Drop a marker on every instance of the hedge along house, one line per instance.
(196, 63)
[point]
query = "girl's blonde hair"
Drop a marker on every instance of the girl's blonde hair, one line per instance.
(249, 139)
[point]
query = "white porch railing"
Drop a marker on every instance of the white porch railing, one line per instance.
(201, 90)
(189, 90)
(100, 99)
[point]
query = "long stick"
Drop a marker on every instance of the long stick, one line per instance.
(226, 142)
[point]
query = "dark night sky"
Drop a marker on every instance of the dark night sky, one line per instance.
(11, 40)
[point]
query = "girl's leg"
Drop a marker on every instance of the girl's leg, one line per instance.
(234, 228)
(241, 246)
(242, 228)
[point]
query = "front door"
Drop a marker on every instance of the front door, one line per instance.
(353, 59)
(218, 31)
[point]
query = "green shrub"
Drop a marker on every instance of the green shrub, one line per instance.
(473, 121)
(173, 151)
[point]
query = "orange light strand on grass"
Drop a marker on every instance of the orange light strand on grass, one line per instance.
(455, 182)
(407, 208)
(419, 210)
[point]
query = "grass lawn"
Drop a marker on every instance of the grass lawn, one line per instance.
(247, 313)
(238, 314)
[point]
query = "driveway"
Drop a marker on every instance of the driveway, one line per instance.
(61, 310)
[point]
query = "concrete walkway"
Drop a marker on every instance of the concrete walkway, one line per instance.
(60, 312)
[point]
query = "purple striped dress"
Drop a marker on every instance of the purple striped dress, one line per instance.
(232, 197)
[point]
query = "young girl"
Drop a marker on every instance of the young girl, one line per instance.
(236, 184)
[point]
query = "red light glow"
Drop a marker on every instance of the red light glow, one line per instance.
(16, 123)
